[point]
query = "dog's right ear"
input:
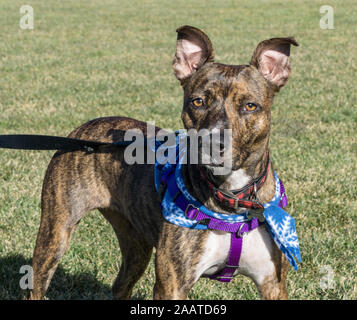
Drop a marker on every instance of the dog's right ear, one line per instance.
(193, 50)
(271, 58)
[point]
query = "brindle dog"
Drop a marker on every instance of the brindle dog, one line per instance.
(237, 97)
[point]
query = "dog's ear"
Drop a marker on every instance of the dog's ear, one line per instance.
(193, 50)
(271, 58)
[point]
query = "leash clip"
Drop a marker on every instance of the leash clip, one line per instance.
(256, 212)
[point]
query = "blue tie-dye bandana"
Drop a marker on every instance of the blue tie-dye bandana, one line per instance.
(280, 224)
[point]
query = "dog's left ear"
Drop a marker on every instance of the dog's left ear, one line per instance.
(271, 58)
(193, 50)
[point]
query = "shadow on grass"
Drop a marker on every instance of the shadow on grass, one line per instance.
(63, 285)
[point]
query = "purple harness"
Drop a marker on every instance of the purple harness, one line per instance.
(237, 230)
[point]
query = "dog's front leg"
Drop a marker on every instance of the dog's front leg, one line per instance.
(273, 286)
(178, 252)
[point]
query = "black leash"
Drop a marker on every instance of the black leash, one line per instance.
(41, 142)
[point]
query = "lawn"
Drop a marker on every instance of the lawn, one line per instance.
(89, 59)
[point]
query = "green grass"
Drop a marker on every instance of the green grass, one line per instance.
(88, 59)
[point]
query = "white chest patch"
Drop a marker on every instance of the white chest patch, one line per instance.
(256, 257)
(238, 179)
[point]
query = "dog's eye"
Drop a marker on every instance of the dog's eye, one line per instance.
(250, 107)
(198, 102)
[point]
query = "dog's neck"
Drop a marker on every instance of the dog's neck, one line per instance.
(236, 179)
(252, 168)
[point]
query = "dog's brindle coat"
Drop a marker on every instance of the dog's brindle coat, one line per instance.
(78, 182)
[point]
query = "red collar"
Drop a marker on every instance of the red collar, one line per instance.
(242, 198)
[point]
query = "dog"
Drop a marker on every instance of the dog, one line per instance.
(216, 95)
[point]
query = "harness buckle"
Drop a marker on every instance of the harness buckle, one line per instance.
(225, 200)
(191, 217)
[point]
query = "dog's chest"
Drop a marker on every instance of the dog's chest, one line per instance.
(256, 257)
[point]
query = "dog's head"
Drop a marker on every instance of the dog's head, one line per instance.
(236, 97)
